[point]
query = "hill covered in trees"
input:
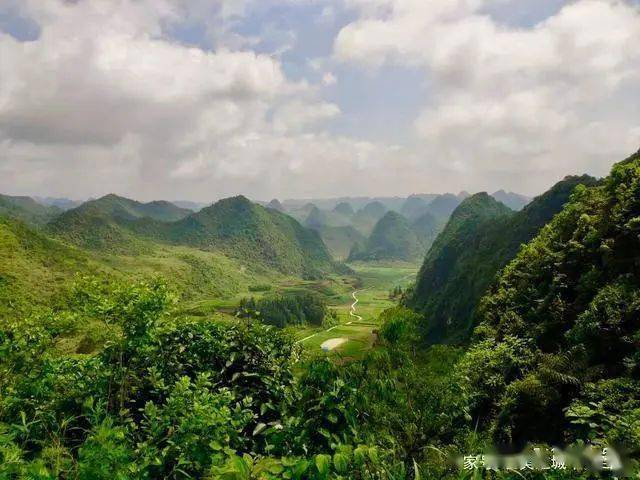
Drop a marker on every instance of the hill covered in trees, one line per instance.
(553, 361)
(481, 237)
(555, 356)
(392, 239)
(27, 210)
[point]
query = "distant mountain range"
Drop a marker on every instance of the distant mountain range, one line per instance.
(118, 224)
(234, 226)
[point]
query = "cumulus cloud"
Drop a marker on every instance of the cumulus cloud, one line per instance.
(107, 98)
(509, 100)
(104, 101)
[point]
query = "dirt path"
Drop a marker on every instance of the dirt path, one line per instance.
(352, 312)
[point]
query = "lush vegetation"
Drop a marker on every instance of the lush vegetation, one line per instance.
(234, 226)
(285, 310)
(27, 210)
(150, 391)
(392, 239)
(560, 331)
(481, 237)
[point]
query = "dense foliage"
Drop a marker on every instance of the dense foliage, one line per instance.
(285, 310)
(481, 237)
(560, 332)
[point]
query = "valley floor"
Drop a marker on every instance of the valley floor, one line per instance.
(357, 326)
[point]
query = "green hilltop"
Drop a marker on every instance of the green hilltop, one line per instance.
(481, 237)
(392, 238)
(27, 210)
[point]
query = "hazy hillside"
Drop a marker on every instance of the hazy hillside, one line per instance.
(61, 203)
(479, 239)
(276, 205)
(392, 239)
(414, 207)
(514, 201)
(443, 206)
(366, 218)
(426, 228)
(344, 208)
(340, 240)
(27, 210)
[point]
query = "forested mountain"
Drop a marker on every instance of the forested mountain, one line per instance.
(480, 238)
(251, 232)
(556, 355)
(27, 210)
(392, 239)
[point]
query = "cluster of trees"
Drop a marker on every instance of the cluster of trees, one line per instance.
(285, 310)
(172, 399)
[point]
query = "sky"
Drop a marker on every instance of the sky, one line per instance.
(205, 99)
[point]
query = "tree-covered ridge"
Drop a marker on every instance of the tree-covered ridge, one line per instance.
(444, 284)
(392, 239)
(121, 208)
(233, 226)
(27, 210)
(251, 232)
(560, 331)
(479, 240)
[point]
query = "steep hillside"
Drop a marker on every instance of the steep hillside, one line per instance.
(560, 331)
(480, 238)
(252, 233)
(27, 210)
(340, 240)
(33, 267)
(392, 239)
(366, 218)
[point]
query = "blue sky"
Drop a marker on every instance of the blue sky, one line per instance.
(201, 99)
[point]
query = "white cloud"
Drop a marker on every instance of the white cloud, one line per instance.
(103, 101)
(506, 99)
(329, 79)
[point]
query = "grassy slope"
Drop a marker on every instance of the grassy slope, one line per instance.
(34, 268)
